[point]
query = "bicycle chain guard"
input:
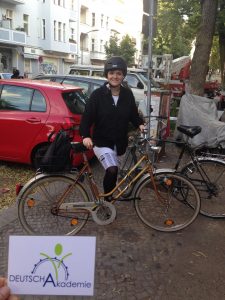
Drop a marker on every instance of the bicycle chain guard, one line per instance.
(104, 214)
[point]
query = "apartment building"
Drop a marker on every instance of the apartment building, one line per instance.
(47, 36)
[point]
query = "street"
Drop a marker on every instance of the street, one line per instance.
(136, 262)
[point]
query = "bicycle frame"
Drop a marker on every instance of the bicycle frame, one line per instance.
(195, 160)
(87, 171)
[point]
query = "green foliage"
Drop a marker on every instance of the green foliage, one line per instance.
(112, 48)
(177, 24)
(125, 48)
(214, 62)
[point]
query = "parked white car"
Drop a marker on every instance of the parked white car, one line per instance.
(5, 75)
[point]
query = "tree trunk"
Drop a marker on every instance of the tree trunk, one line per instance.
(200, 61)
(221, 33)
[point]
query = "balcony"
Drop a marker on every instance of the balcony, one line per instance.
(97, 55)
(73, 47)
(15, 2)
(73, 16)
(12, 36)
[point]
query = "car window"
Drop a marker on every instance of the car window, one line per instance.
(83, 85)
(132, 80)
(15, 98)
(75, 101)
(38, 102)
(80, 72)
(95, 86)
(54, 79)
(42, 78)
(97, 73)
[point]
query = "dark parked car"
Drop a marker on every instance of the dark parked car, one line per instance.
(87, 83)
(30, 110)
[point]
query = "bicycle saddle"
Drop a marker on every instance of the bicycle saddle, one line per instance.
(190, 131)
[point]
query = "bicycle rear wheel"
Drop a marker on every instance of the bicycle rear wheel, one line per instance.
(37, 206)
(212, 188)
(175, 207)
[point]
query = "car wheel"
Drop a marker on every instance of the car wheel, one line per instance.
(37, 155)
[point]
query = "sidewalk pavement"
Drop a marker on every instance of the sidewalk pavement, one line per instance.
(134, 262)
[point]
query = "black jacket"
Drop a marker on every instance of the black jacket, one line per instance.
(110, 121)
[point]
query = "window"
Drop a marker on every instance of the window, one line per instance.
(92, 44)
(55, 31)
(64, 32)
(81, 84)
(59, 31)
(83, 15)
(102, 20)
(15, 98)
(59, 2)
(72, 4)
(38, 102)
(74, 101)
(72, 34)
(9, 17)
(132, 80)
(26, 23)
(96, 86)
(27, 66)
(43, 30)
(101, 46)
(93, 20)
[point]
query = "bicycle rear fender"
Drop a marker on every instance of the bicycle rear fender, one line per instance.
(36, 178)
(147, 176)
(202, 159)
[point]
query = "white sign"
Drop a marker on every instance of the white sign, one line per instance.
(51, 265)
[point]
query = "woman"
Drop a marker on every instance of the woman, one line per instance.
(108, 112)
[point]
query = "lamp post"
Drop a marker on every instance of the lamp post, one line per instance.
(150, 40)
(82, 43)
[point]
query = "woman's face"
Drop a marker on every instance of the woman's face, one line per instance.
(115, 77)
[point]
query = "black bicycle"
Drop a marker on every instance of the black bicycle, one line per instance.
(207, 172)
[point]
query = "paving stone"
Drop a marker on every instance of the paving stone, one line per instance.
(137, 263)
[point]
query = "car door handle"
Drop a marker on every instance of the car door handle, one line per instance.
(34, 120)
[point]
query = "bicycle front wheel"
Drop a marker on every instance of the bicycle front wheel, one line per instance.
(38, 212)
(211, 186)
(174, 205)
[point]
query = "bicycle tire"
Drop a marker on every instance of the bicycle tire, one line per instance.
(36, 204)
(177, 207)
(212, 202)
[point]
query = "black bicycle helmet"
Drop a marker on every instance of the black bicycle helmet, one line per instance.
(115, 63)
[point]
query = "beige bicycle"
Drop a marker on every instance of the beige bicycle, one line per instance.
(55, 204)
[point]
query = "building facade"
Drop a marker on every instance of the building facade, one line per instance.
(47, 36)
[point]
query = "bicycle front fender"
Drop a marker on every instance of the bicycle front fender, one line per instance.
(147, 177)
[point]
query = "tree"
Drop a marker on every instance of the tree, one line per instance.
(221, 35)
(112, 47)
(200, 61)
(177, 23)
(125, 48)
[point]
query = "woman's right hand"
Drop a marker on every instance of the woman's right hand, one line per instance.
(88, 143)
(5, 291)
